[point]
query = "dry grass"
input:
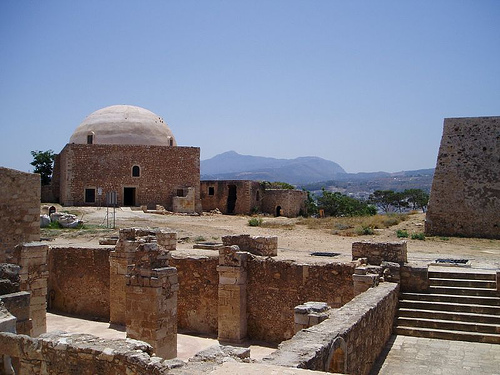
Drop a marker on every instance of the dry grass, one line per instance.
(277, 225)
(353, 226)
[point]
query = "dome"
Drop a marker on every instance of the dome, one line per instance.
(123, 125)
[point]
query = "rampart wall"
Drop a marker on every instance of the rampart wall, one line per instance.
(465, 194)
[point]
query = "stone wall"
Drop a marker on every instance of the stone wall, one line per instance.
(198, 291)
(283, 202)
(163, 171)
(377, 252)
(258, 245)
(215, 194)
(20, 208)
(465, 194)
(414, 278)
(349, 341)
(275, 288)
(78, 281)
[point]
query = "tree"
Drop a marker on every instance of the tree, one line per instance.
(276, 185)
(43, 161)
(386, 200)
(417, 198)
(337, 204)
(310, 204)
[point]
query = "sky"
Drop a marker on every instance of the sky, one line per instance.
(366, 84)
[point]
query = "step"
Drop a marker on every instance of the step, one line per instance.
(462, 275)
(448, 325)
(463, 291)
(452, 307)
(463, 283)
(452, 316)
(448, 334)
(475, 300)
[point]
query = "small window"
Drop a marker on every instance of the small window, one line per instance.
(170, 141)
(211, 190)
(136, 171)
(89, 195)
(257, 196)
(180, 192)
(90, 139)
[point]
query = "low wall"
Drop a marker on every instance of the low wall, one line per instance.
(377, 252)
(414, 278)
(197, 298)
(275, 288)
(78, 281)
(258, 245)
(349, 341)
(63, 353)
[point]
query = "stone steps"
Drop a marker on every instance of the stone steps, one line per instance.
(459, 306)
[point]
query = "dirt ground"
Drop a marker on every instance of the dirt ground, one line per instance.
(295, 242)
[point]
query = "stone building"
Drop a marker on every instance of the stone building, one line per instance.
(247, 197)
(465, 194)
(131, 151)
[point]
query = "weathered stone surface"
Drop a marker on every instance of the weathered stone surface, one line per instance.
(219, 353)
(377, 252)
(465, 194)
(414, 278)
(258, 245)
(20, 208)
(359, 329)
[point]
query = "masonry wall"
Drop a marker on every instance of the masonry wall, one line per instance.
(20, 209)
(163, 170)
(465, 194)
(198, 293)
(78, 281)
(291, 202)
(275, 288)
(248, 195)
(362, 326)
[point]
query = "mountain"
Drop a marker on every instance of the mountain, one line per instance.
(233, 166)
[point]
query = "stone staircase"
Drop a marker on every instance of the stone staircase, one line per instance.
(459, 306)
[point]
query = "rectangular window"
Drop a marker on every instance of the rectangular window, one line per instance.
(211, 190)
(180, 192)
(89, 195)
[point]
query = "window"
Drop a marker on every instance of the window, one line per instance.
(211, 190)
(90, 139)
(136, 171)
(180, 192)
(90, 195)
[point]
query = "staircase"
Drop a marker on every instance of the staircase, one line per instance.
(459, 306)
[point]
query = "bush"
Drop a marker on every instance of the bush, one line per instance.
(401, 233)
(199, 239)
(255, 222)
(418, 236)
(363, 231)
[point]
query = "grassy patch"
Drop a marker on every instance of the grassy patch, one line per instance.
(199, 239)
(418, 236)
(277, 225)
(401, 233)
(255, 222)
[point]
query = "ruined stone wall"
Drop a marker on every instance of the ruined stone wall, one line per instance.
(197, 296)
(275, 288)
(358, 330)
(465, 194)
(292, 202)
(377, 252)
(249, 195)
(20, 209)
(163, 170)
(258, 245)
(78, 281)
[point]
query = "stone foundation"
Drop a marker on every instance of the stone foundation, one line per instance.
(376, 252)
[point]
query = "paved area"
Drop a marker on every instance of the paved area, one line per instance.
(187, 345)
(421, 356)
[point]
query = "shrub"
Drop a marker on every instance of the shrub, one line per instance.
(255, 222)
(199, 239)
(418, 236)
(401, 233)
(364, 230)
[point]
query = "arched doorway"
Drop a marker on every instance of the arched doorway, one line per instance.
(278, 211)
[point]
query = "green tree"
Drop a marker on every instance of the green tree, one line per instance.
(337, 204)
(310, 204)
(276, 185)
(43, 161)
(417, 198)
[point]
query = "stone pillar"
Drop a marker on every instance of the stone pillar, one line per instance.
(309, 314)
(232, 309)
(33, 274)
(364, 280)
(152, 308)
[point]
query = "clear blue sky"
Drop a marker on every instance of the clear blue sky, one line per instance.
(363, 83)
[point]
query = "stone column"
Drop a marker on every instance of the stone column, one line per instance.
(32, 258)
(152, 308)
(232, 309)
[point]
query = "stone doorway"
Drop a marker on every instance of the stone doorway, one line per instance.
(129, 196)
(231, 199)
(278, 211)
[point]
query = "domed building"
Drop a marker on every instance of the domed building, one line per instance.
(131, 153)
